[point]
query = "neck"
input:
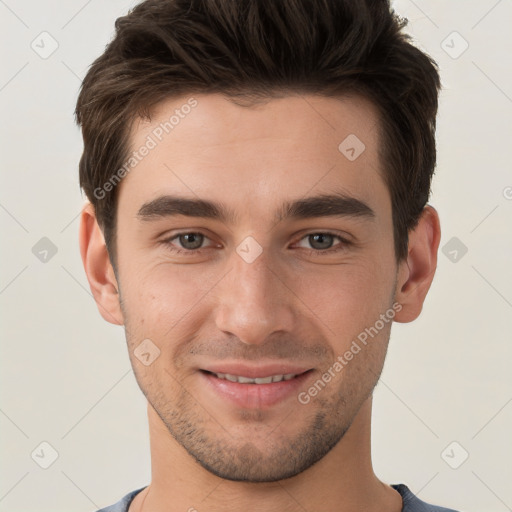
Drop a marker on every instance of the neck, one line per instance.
(342, 481)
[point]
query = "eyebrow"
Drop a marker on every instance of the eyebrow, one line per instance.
(324, 205)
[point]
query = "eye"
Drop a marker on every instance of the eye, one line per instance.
(189, 242)
(322, 242)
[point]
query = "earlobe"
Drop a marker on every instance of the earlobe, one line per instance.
(417, 271)
(98, 268)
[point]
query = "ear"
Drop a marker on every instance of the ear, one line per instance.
(98, 268)
(416, 272)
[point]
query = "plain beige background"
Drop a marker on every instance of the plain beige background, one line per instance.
(446, 390)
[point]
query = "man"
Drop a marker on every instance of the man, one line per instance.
(258, 174)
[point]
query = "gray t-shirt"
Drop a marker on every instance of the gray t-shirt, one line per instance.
(410, 501)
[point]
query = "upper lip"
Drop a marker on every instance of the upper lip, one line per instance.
(259, 371)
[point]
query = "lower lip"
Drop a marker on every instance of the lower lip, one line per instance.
(255, 396)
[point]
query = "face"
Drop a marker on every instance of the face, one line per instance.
(251, 244)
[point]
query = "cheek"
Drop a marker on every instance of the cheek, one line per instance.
(348, 298)
(160, 298)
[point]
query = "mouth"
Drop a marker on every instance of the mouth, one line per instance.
(257, 380)
(254, 392)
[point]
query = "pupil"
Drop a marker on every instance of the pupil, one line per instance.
(191, 240)
(323, 240)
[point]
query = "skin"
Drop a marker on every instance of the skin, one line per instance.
(287, 305)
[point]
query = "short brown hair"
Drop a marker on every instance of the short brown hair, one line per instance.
(250, 49)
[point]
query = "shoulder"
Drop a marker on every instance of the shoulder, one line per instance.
(123, 504)
(411, 503)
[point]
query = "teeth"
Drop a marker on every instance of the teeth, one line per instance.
(267, 380)
(257, 380)
(245, 380)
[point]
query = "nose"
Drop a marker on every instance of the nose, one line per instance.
(254, 300)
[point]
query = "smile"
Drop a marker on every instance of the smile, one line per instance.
(258, 380)
(257, 392)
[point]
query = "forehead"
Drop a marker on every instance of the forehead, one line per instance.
(253, 157)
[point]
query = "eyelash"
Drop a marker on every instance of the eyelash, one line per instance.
(315, 252)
